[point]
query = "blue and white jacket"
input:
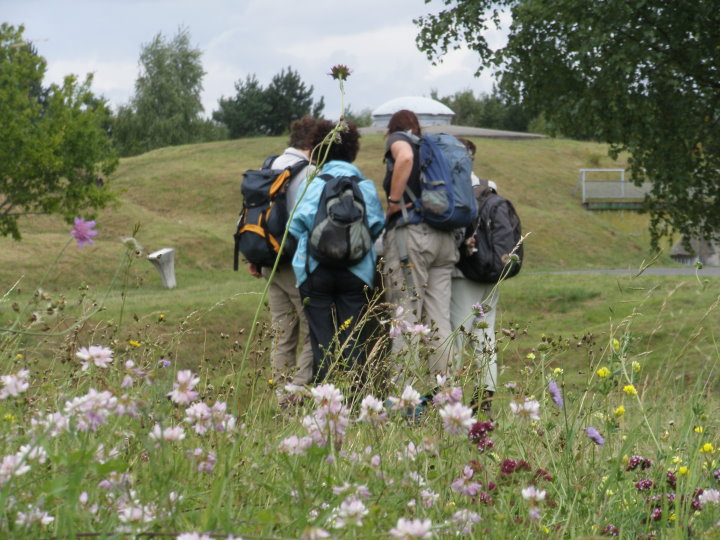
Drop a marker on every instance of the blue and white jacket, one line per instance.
(304, 218)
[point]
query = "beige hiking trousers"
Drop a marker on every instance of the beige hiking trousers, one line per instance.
(423, 290)
(290, 329)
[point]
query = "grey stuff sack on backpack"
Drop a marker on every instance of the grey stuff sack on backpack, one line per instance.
(340, 236)
(496, 232)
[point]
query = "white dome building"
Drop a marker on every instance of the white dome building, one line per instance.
(428, 111)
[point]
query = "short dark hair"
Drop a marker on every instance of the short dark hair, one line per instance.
(404, 120)
(300, 131)
(344, 147)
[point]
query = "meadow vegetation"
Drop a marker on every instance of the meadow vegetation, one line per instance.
(128, 409)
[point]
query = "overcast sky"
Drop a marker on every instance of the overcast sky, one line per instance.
(376, 38)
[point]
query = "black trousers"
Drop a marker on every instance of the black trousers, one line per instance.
(334, 300)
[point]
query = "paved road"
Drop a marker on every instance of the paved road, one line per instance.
(708, 271)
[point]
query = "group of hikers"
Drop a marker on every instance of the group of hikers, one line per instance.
(328, 280)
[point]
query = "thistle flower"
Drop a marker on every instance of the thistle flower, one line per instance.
(594, 435)
(83, 232)
(554, 390)
(340, 72)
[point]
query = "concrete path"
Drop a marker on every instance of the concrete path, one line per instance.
(708, 271)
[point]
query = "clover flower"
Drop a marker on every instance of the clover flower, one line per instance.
(464, 520)
(184, 389)
(14, 385)
(97, 354)
(372, 410)
(638, 461)
(464, 485)
(12, 465)
(457, 418)
(408, 529)
(295, 446)
(603, 372)
(452, 394)
(33, 515)
(410, 398)
(529, 409)
(350, 512)
(92, 409)
(83, 232)
(174, 434)
(554, 390)
(619, 412)
(709, 496)
(205, 461)
(594, 435)
(533, 494)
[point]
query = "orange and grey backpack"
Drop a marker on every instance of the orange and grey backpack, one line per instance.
(264, 215)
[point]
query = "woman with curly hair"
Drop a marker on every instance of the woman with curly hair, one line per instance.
(334, 298)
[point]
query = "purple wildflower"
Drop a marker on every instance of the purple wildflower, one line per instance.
(644, 484)
(83, 232)
(610, 530)
(554, 390)
(594, 435)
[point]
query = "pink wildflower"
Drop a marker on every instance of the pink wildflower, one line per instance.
(531, 493)
(99, 355)
(295, 446)
(372, 410)
(529, 409)
(83, 232)
(350, 512)
(448, 395)
(168, 434)
(409, 399)
(465, 485)
(33, 515)
(183, 390)
(407, 529)
(457, 418)
(14, 385)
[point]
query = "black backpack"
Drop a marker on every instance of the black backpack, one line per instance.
(264, 215)
(340, 235)
(496, 232)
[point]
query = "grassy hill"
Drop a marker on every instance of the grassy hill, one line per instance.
(187, 197)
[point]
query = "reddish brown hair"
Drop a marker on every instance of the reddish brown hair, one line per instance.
(404, 120)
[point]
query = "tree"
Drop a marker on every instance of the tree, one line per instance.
(244, 114)
(54, 145)
(255, 110)
(493, 111)
(641, 76)
(166, 107)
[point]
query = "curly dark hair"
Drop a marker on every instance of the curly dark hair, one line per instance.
(300, 131)
(404, 120)
(345, 147)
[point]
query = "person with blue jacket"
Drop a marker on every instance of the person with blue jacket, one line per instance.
(335, 298)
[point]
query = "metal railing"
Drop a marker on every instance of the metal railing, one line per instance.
(614, 188)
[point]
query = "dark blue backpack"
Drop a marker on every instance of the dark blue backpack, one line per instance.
(446, 201)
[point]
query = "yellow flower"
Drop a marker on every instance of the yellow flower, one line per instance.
(603, 372)
(676, 459)
(530, 356)
(161, 317)
(616, 344)
(8, 417)
(672, 517)
(682, 470)
(346, 324)
(620, 411)
(545, 530)
(636, 367)
(698, 429)
(271, 382)
(707, 448)
(609, 492)
(558, 371)
(629, 389)
(134, 343)
(19, 356)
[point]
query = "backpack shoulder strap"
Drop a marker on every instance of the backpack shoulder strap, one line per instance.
(267, 164)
